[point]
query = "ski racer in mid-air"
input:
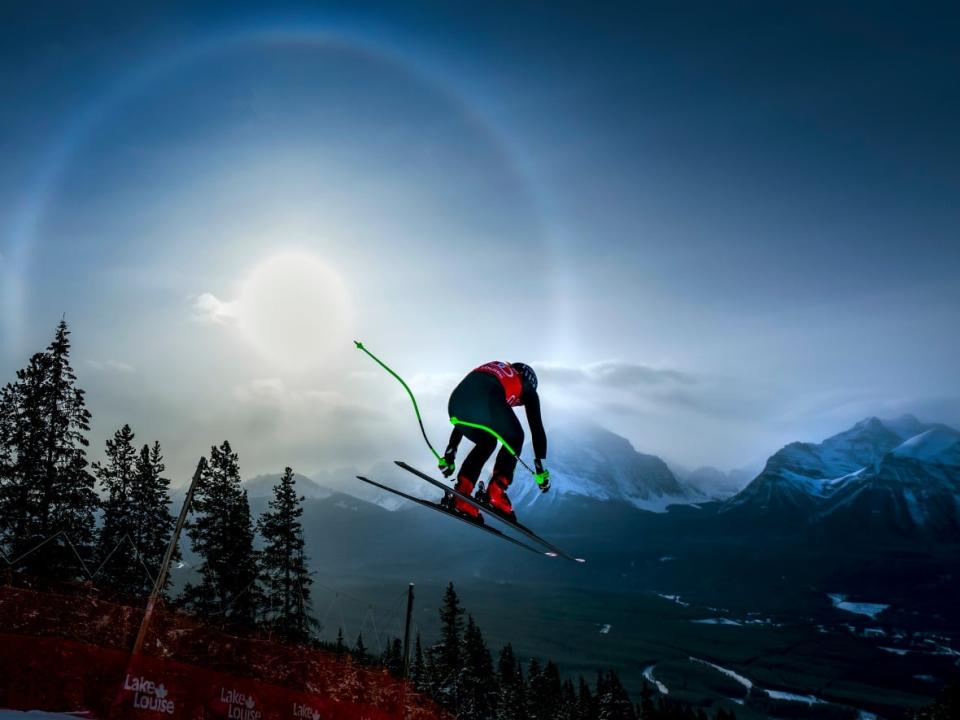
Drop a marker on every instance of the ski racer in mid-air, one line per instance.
(486, 397)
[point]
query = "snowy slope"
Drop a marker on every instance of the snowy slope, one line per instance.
(590, 461)
(915, 488)
(802, 479)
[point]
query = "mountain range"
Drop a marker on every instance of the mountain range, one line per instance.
(898, 476)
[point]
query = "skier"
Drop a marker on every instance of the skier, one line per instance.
(487, 396)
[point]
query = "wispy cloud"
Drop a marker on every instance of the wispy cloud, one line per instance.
(110, 365)
(613, 374)
(273, 393)
(208, 308)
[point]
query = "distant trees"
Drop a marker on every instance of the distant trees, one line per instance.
(221, 533)
(473, 689)
(46, 489)
(283, 564)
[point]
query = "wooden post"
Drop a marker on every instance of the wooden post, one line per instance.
(406, 633)
(165, 568)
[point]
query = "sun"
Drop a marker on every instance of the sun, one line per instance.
(293, 308)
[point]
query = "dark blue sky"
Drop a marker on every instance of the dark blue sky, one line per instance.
(759, 199)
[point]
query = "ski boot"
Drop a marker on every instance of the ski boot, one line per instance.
(495, 497)
(461, 507)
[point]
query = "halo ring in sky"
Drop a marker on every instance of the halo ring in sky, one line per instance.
(25, 228)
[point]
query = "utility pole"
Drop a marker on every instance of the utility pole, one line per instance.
(165, 568)
(406, 633)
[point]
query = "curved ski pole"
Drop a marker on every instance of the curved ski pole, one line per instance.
(440, 461)
(539, 477)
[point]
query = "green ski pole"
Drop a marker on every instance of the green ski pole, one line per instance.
(541, 478)
(441, 463)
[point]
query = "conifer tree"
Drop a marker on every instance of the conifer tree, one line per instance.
(536, 690)
(340, 647)
(477, 697)
(567, 706)
(392, 657)
(613, 701)
(47, 489)
(221, 532)
(153, 522)
(586, 706)
(511, 696)
(446, 657)
(286, 578)
(121, 569)
(360, 651)
(418, 669)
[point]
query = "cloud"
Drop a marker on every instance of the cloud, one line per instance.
(274, 393)
(207, 308)
(110, 365)
(613, 374)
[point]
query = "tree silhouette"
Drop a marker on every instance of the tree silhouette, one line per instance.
(283, 565)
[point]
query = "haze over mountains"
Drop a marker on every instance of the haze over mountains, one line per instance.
(900, 475)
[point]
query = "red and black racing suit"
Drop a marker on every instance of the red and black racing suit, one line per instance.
(487, 396)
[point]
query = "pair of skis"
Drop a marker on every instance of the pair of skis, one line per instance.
(550, 550)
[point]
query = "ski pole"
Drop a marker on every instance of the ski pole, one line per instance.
(541, 478)
(441, 463)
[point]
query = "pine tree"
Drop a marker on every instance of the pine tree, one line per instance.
(586, 706)
(121, 566)
(567, 709)
(418, 669)
(283, 563)
(478, 695)
(340, 648)
(221, 532)
(47, 489)
(392, 657)
(446, 658)
(613, 701)
(511, 696)
(360, 651)
(153, 523)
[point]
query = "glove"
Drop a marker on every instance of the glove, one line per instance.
(543, 476)
(448, 466)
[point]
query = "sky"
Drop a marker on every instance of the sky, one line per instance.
(713, 229)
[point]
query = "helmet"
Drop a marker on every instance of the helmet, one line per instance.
(526, 373)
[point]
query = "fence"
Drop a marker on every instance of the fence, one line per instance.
(70, 652)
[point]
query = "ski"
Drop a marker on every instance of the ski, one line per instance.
(554, 550)
(445, 511)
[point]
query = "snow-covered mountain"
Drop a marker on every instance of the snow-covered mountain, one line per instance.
(913, 488)
(899, 473)
(589, 461)
(714, 484)
(262, 486)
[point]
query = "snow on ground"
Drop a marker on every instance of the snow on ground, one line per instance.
(895, 651)
(605, 630)
(674, 598)
(871, 610)
(718, 621)
(648, 674)
(746, 682)
(864, 715)
(792, 697)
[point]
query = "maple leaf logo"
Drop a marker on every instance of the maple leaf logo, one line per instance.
(250, 702)
(161, 691)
